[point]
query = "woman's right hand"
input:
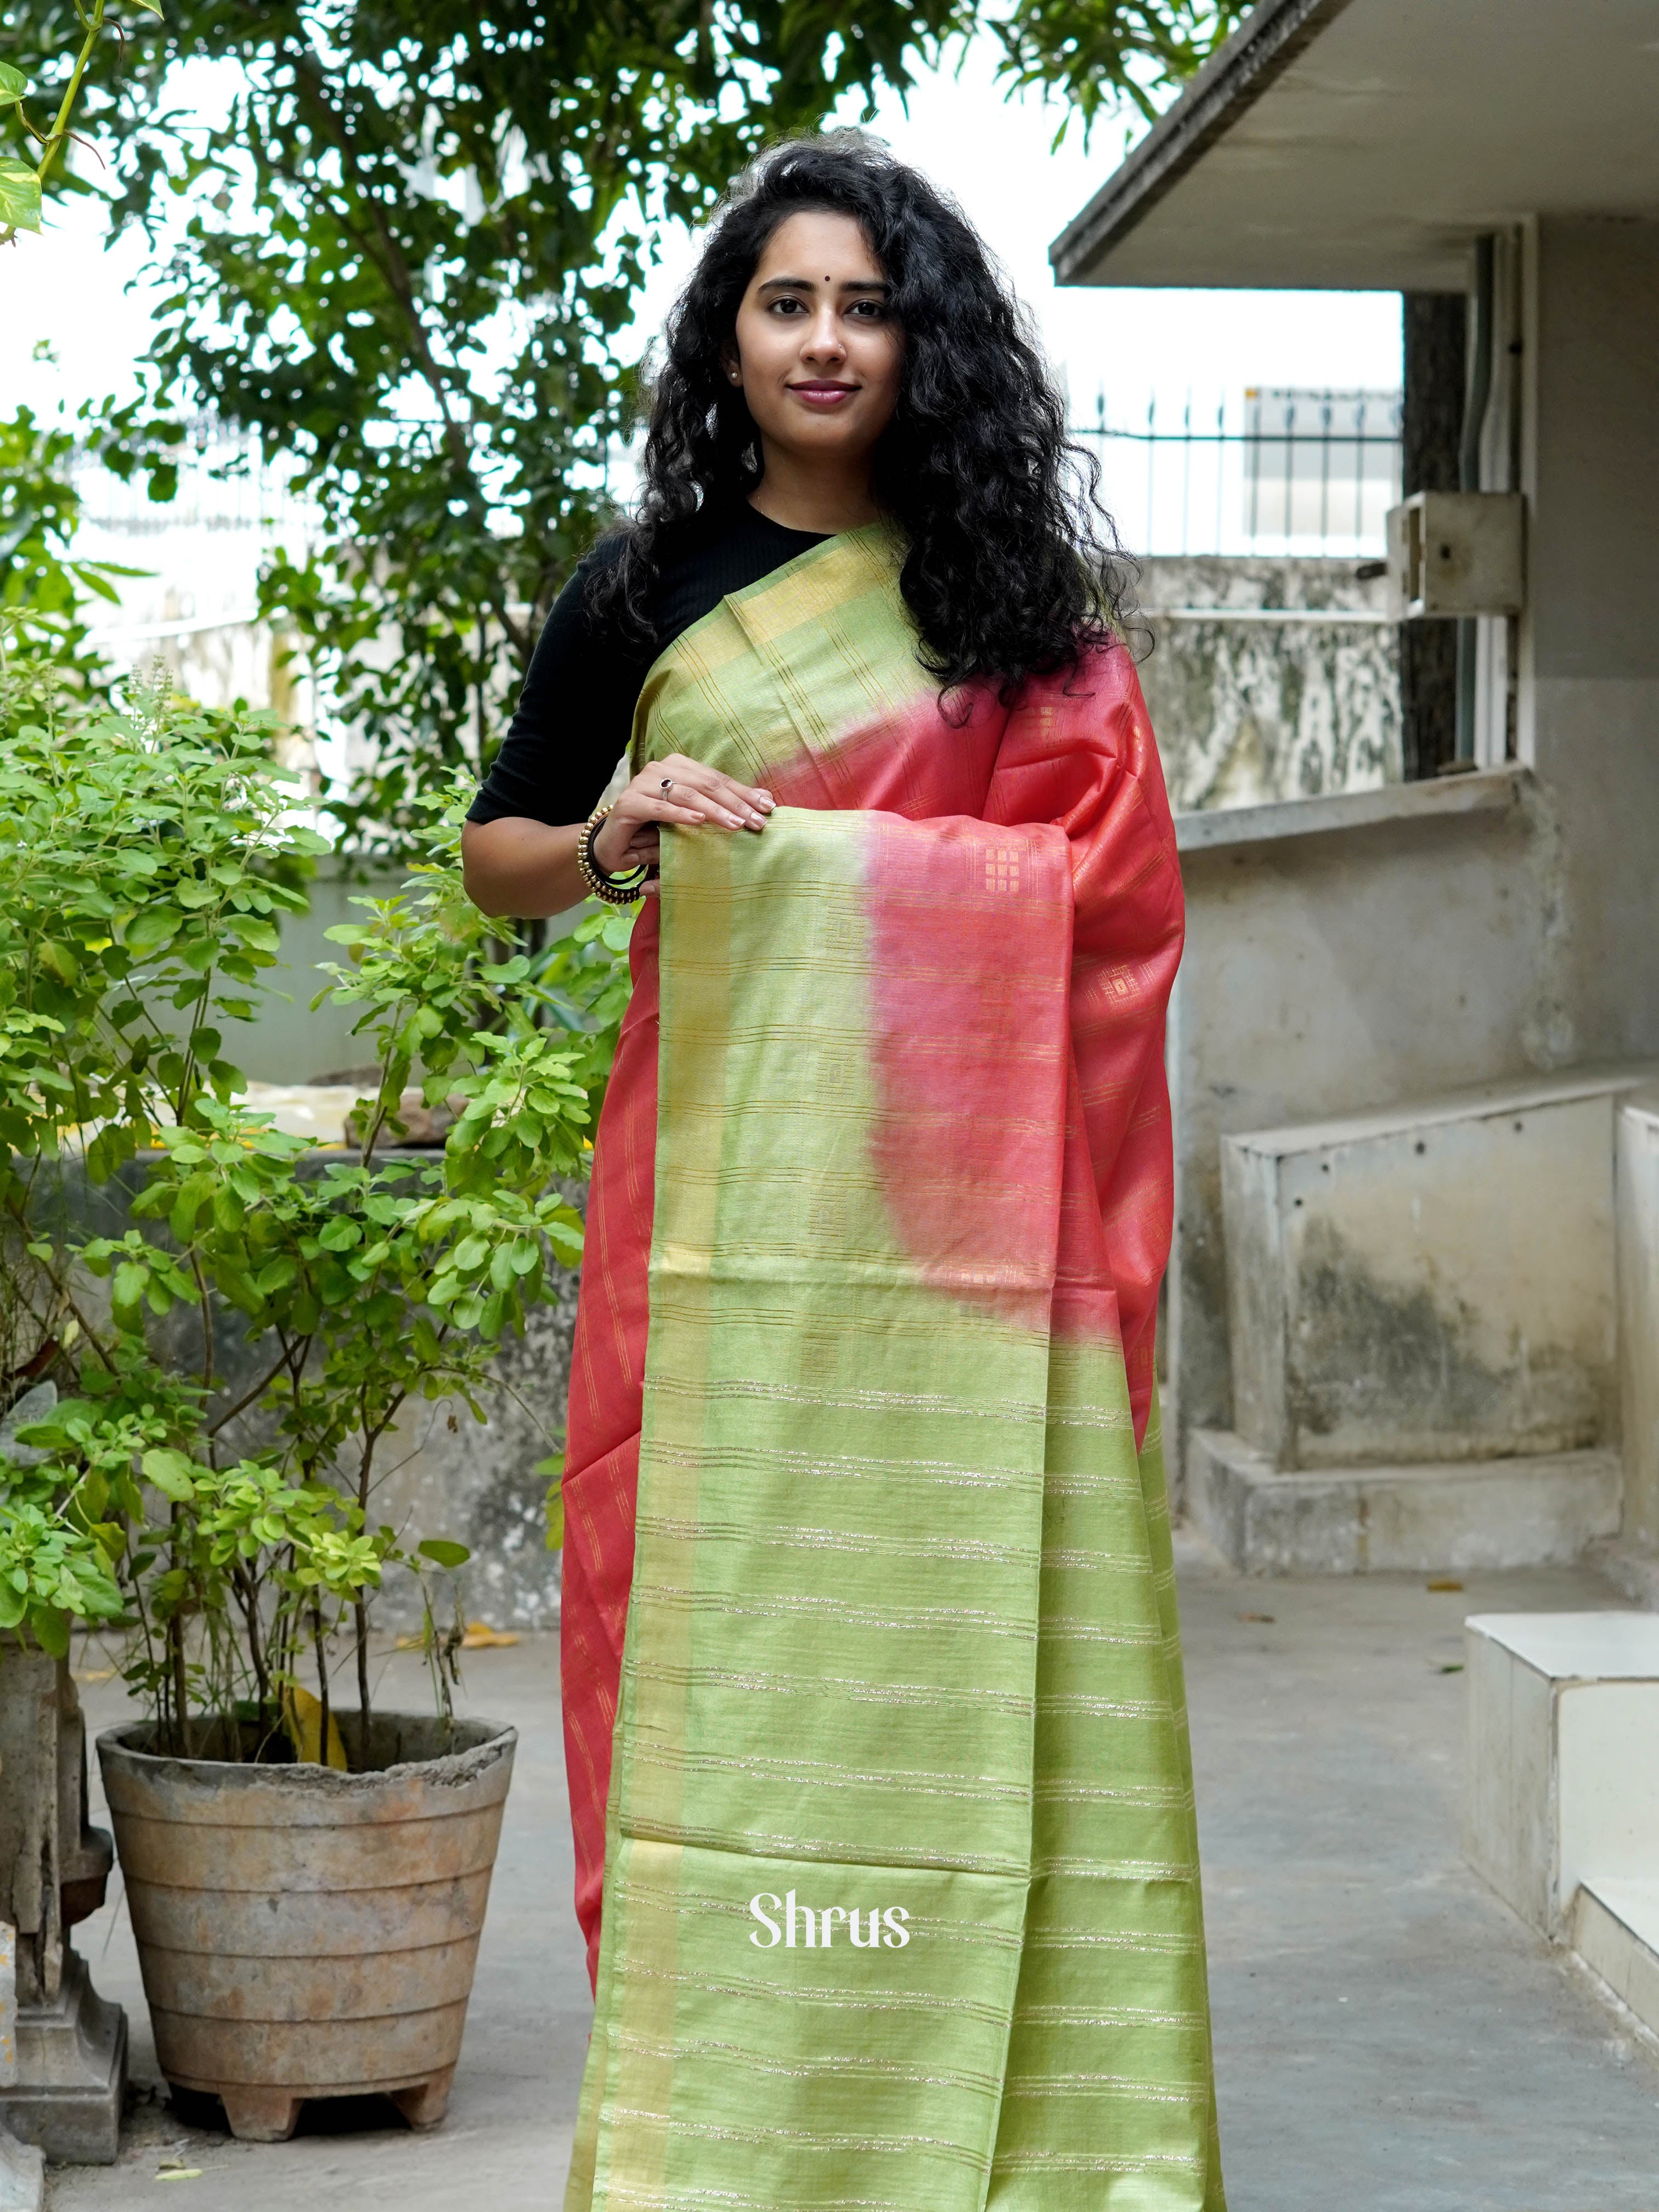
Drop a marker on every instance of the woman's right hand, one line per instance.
(673, 790)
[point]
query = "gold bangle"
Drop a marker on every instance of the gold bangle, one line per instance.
(615, 890)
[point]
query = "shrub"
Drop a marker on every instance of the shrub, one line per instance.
(147, 859)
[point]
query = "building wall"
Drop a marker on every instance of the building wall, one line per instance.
(1289, 689)
(1368, 950)
(1362, 951)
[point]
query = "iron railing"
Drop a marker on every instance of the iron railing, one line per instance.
(1281, 471)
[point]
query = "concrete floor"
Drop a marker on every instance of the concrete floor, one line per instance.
(1389, 2037)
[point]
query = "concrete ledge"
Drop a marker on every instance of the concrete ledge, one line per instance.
(1615, 1931)
(1429, 1281)
(1226, 87)
(1536, 1512)
(1633, 1572)
(1483, 792)
(1559, 1787)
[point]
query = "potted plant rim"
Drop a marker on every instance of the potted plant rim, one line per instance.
(231, 1319)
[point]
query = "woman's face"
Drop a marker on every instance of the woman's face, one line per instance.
(816, 349)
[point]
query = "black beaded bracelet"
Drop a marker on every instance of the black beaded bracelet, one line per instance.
(615, 890)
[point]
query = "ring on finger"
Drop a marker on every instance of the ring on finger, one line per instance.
(667, 785)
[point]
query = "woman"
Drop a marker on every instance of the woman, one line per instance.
(874, 1706)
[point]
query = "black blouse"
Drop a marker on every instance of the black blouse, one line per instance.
(576, 710)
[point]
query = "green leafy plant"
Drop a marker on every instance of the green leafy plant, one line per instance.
(234, 1318)
(582, 982)
(22, 181)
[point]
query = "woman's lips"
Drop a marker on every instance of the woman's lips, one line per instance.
(823, 395)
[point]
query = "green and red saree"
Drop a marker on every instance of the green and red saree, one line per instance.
(873, 1704)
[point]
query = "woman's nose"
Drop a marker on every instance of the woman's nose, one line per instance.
(823, 340)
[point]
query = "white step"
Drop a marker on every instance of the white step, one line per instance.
(1541, 1509)
(1615, 1931)
(1561, 1755)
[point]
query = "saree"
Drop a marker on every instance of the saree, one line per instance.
(874, 1715)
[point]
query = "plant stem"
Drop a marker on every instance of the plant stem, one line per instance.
(206, 1304)
(247, 1593)
(180, 1692)
(94, 23)
(322, 1683)
(242, 1404)
(361, 1612)
(365, 1464)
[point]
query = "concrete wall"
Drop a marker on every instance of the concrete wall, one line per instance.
(1428, 1286)
(444, 1474)
(1355, 952)
(1292, 693)
(1341, 954)
(289, 1044)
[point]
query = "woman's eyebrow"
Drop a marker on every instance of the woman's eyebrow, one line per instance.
(805, 284)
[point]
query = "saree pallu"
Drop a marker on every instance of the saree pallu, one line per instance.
(873, 1704)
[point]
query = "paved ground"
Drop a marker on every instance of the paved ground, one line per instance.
(1389, 2038)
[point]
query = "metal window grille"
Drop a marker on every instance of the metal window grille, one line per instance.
(1274, 472)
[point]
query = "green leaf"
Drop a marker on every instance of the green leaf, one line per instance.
(156, 927)
(12, 82)
(20, 197)
(173, 1474)
(442, 1552)
(193, 1193)
(127, 1295)
(58, 960)
(51, 1630)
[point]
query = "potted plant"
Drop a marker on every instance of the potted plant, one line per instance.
(232, 1319)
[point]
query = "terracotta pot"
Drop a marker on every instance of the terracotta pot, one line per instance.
(306, 1933)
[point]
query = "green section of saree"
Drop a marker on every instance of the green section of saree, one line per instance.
(902, 1907)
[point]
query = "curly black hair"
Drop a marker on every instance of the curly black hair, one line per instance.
(1012, 564)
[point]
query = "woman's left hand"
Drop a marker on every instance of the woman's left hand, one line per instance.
(676, 790)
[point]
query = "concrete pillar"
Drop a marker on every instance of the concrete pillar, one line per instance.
(22, 2167)
(1637, 1186)
(1589, 704)
(70, 2045)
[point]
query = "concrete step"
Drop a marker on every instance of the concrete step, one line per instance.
(1540, 1509)
(1615, 1931)
(1560, 1778)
